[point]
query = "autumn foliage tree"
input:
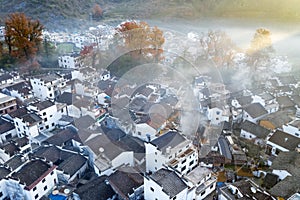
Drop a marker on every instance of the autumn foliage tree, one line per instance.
(97, 12)
(142, 39)
(23, 36)
(261, 48)
(218, 47)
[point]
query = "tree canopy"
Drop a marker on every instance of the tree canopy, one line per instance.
(23, 36)
(142, 39)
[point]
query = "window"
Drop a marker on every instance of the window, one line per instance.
(36, 196)
(43, 181)
(151, 188)
(203, 193)
(44, 113)
(41, 128)
(218, 112)
(155, 153)
(51, 115)
(53, 124)
(34, 189)
(211, 186)
(47, 127)
(170, 157)
(155, 160)
(45, 119)
(139, 133)
(52, 173)
(174, 198)
(182, 169)
(1, 194)
(183, 161)
(45, 188)
(50, 95)
(11, 108)
(217, 118)
(191, 163)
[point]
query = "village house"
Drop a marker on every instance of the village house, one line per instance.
(7, 130)
(70, 164)
(20, 90)
(26, 123)
(201, 183)
(164, 184)
(7, 104)
(23, 183)
(49, 112)
(127, 182)
(71, 61)
(292, 128)
(286, 167)
(276, 120)
(47, 86)
(252, 131)
(281, 141)
(254, 112)
(243, 189)
(171, 149)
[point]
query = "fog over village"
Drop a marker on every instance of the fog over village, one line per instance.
(149, 100)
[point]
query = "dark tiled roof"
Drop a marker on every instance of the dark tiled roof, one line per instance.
(32, 118)
(289, 161)
(5, 77)
(84, 122)
(285, 102)
(285, 140)
(244, 100)
(21, 142)
(278, 118)
(5, 126)
(4, 172)
(11, 148)
(270, 180)
(255, 110)
(244, 187)
(62, 137)
(125, 180)
(255, 129)
(170, 139)
(169, 181)
(65, 97)
(67, 161)
(286, 188)
(18, 113)
(31, 171)
(96, 189)
(15, 162)
(72, 164)
(43, 105)
(224, 148)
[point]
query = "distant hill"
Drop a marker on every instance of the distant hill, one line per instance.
(71, 14)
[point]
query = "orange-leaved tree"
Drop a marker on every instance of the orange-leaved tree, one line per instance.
(97, 12)
(141, 39)
(23, 36)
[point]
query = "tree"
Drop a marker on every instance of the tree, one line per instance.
(23, 36)
(142, 40)
(261, 48)
(218, 47)
(97, 12)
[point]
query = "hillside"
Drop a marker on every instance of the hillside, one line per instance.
(71, 14)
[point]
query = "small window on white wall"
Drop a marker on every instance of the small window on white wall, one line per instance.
(151, 188)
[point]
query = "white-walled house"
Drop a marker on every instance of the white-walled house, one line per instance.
(7, 130)
(47, 86)
(201, 183)
(254, 112)
(292, 128)
(252, 131)
(105, 76)
(37, 184)
(164, 184)
(144, 131)
(72, 61)
(217, 115)
(49, 112)
(28, 124)
(171, 149)
(280, 141)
